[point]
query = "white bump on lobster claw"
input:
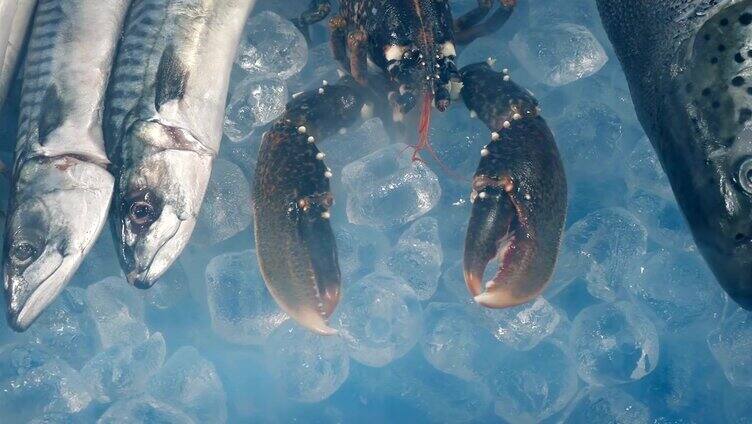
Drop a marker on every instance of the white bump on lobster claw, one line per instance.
(394, 52)
(484, 152)
(311, 139)
(448, 50)
(506, 124)
(366, 112)
(326, 215)
(302, 129)
(495, 136)
(473, 114)
(320, 155)
(516, 116)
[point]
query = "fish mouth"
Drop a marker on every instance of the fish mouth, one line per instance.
(23, 307)
(145, 269)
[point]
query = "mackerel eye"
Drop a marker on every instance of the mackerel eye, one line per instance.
(24, 252)
(142, 213)
(745, 175)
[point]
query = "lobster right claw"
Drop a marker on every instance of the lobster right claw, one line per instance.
(519, 193)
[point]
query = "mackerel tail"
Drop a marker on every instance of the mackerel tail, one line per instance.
(163, 124)
(689, 67)
(61, 187)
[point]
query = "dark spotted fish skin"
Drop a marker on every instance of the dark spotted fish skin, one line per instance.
(688, 64)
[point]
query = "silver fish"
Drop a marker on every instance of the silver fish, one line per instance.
(15, 19)
(62, 189)
(163, 123)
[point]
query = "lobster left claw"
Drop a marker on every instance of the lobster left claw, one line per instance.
(519, 193)
(295, 244)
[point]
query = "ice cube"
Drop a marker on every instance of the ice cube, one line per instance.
(67, 328)
(227, 204)
(272, 46)
(118, 311)
(443, 398)
(386, 188)
(170, 290)
(453, 283)
(359, 247)
(454, 343)
(254, 102)
(531, 386)
(379, 318)
(736, 403)
(661, 216)
(99, 263)
(611, 243)
(307, 366)
(687, 382)
(241, 308)
(123, 370)
(589, 134)
(354, 144)
(614, 343)
(321, 66)
(644, 168)
(679, 289)
(33, 382)
(191, 383)
(730, 344)
(417, 257)
(583, 12)
(143, 410)
(522, 327)
(608, 406)
(558, 54)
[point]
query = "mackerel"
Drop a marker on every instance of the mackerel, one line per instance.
(163, 123)
(61, 187)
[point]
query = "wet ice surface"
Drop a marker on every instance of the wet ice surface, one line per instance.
(632, 329)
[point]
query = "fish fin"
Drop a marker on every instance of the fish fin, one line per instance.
(172, 76)
(52, 115)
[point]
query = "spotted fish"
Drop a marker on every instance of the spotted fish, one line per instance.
(689, 67)
(163, 123)
(61, 187)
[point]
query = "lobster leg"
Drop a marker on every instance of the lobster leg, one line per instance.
(294, 240)
(316, 12)
(472, 26)
(473, 17)
(519, 193)
(338, 40)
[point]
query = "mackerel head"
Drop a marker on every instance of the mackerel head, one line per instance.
(689, 67)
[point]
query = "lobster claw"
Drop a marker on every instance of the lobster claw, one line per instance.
(519, 193)
(295, 244)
